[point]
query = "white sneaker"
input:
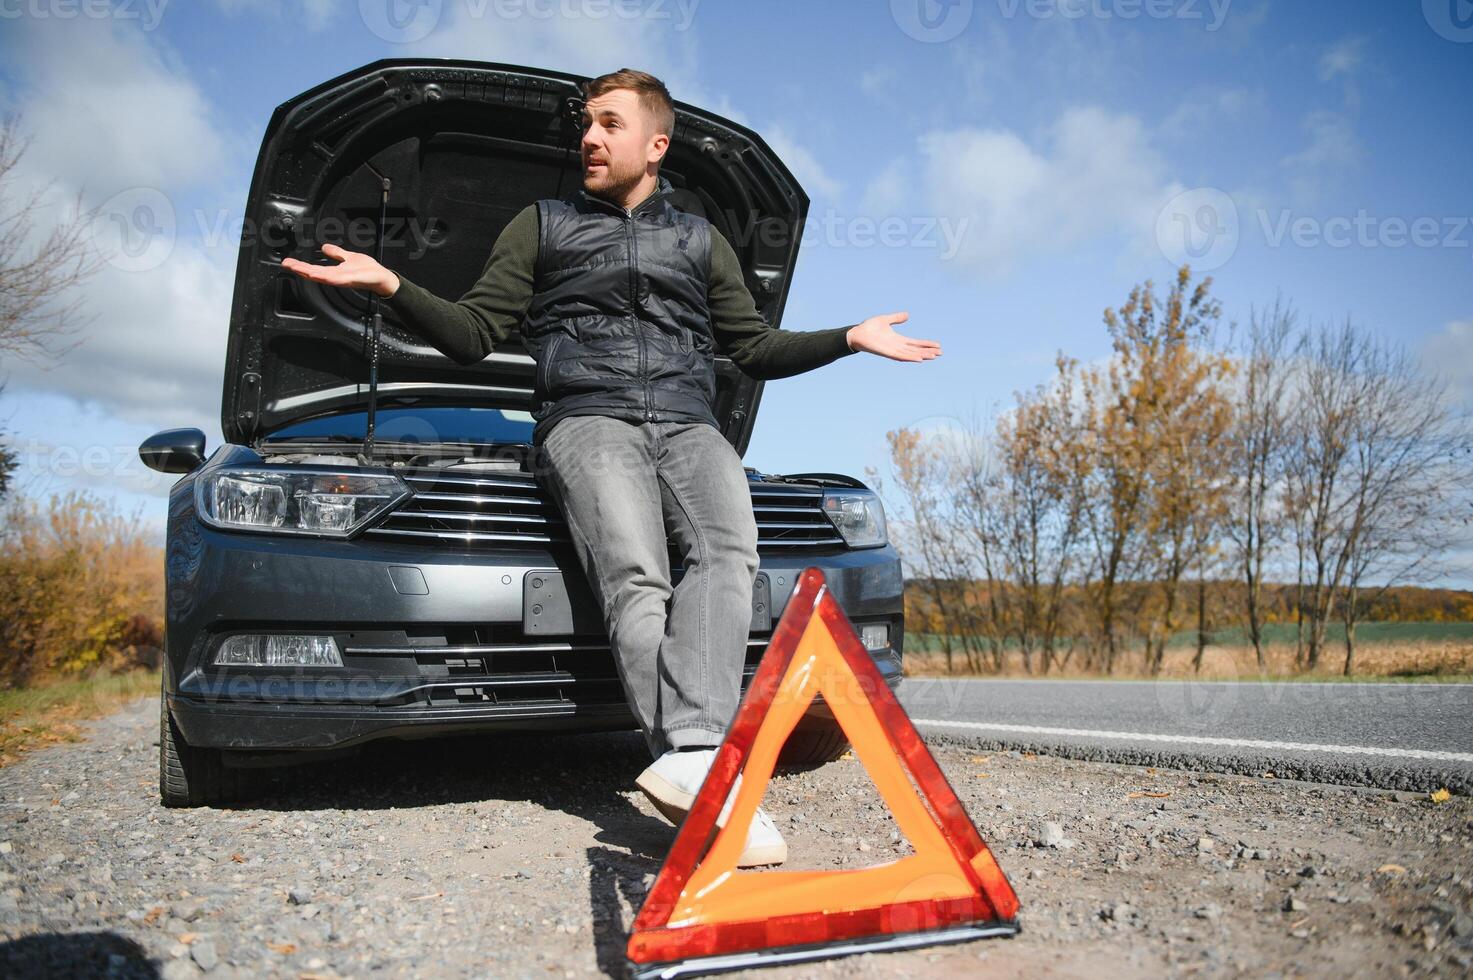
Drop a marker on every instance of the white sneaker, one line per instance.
(671, 783)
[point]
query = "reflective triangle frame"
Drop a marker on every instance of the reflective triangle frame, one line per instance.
(703, 915)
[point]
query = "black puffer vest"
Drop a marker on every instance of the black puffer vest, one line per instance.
(618, 323)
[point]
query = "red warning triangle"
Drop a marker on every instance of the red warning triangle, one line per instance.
(703, 914)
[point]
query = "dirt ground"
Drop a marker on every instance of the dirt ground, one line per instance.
(527, 857)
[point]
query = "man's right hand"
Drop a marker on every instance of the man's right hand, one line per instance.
(353, 271)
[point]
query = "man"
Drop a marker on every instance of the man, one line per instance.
(623, 300)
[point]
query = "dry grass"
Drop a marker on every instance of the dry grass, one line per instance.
(1431, 660)
(81, 588)
(47, 714)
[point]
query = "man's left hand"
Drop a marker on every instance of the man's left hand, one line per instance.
(877, 335)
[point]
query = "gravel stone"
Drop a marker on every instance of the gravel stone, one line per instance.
(528, 856)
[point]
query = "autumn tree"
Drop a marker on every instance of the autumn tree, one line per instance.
(1153, 473)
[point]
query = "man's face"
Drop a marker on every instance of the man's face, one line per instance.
(619, 143)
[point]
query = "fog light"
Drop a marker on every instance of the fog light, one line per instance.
(287, 650)
(875, 636)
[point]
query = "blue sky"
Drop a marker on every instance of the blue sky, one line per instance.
(1032, 160)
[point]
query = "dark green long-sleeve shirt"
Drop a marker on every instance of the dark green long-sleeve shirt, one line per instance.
(467, 329)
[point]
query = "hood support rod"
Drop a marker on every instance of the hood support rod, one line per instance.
(375, 320)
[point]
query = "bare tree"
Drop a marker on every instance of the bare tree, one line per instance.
(1257, 525)
(40, 305)
(927, 539)
(8, 463)
(1407, 475)
(1026, 515)
(1374, 476)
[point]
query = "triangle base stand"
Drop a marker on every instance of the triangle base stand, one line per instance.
(785, 955)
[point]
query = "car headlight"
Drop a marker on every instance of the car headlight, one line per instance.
(858, 515)
(296, 501)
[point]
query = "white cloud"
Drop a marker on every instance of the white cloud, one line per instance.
(110, 108)
(1091, 174)
(315, 14)
(111, 111)
(1333, 148)
(154, 348)
(879, 82)
(583, 40)
(1345, 61)
(590, 44)
(1205, 110)
(1332, 142)
(811, 174)
(1342, 59)
(1450, 354)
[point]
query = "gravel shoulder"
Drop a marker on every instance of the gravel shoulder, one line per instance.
(459, 858)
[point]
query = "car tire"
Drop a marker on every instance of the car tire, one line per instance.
(813, 744)
(194, 776)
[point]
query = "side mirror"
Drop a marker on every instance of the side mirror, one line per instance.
(173, 450)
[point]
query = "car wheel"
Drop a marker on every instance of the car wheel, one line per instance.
(194, 776)
(812, 744)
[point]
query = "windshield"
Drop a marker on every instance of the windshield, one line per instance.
(418, 425)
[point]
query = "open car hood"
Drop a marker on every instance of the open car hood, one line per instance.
(464, 146)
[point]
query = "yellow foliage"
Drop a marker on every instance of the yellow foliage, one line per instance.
(81, 587)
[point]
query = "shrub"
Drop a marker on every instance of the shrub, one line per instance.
(81, 588)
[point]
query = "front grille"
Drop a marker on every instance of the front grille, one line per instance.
(522, 672)
(511, 509)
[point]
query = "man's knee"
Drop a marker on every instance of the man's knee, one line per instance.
(636, 596)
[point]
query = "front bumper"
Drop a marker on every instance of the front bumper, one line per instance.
(433, 641)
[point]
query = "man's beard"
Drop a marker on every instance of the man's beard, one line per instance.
(616, 183)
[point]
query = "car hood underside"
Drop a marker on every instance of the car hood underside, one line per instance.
(462, 147)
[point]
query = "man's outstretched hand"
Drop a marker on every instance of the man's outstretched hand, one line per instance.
(877, 335)
(353, 271)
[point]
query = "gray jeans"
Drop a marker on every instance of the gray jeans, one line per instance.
(622, 488)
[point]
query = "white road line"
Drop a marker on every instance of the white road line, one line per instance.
(1241, 743)
(1246, 682)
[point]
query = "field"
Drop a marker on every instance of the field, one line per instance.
(1441, 652)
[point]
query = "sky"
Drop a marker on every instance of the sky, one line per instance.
(1000, 170)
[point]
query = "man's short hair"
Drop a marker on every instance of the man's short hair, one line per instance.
(653, 95)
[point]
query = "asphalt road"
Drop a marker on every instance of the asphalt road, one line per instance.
(1416, 737)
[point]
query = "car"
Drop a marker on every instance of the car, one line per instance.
(324, 590)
